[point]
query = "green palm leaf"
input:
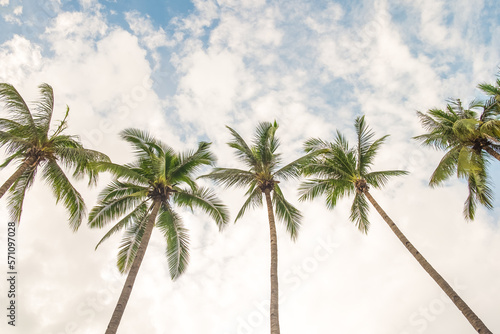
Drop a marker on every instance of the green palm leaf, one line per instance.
(176, 235)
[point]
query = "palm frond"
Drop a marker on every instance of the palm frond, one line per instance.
(265, 146)
(136, 216)
(191, 161)
(206, 200)
(177, 237)
(130, 243)
(18, 193)
(229, 177)
(106, 211)
(64, 190)
(242, 150)
(286, 212)
(446, 167)
(124, 172)
(16, 107)
(294, 169)
(359, 213)
(254, 200)
(479, 191)
(379, 179)
(315, 144)
(145, 145)
(44, 108)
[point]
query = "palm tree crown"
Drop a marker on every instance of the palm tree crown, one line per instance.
(159, 175)
(29, 142)
(469, 138)
(343, 171)
(263, 174)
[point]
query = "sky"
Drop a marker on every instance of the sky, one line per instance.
(183, 70)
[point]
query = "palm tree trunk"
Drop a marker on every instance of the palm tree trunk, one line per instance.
(26, 163)
(274, 308)
(492, 152)
(129, 282)
(478, 325)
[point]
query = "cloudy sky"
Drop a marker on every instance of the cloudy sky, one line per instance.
(183, 70)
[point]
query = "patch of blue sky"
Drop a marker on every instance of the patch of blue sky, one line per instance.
(32, 21)
(159, 11)
(165, 79)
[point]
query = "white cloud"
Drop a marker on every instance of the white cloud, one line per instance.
(19, 57)
(237, 63)
(4, 3)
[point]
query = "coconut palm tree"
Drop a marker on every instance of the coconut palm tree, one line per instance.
(469, 139)
(344, 171)
(143, 194)
(492, 90)
(29, 142)
(262, 178)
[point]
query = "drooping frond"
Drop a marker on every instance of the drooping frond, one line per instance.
(359, 213)
(479, 191)
(176, 235)
(137, 215)
(446, 167)
(115, 201)
(18, 192)
(206, 200)
(254, 200)
(64, 190)
(130, 243)
(286, 212)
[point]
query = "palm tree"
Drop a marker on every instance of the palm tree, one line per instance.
(27, 140)
(492, 90)
(142, 194)
(262, 178)
(344, 171)
(469, 139)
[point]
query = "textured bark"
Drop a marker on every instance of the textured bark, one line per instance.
(478, 325)
(26, 163)
(129, 282)
(492, 152)
(274, 308)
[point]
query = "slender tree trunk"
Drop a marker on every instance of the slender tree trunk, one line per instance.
(26, 163)
(492, 152)
(474, 320)
(129, 282)
(274, 309)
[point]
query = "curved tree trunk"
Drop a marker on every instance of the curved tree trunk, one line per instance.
(478, 325)
(26, 163)
(129, 282)
(274, 309)
(492, 152)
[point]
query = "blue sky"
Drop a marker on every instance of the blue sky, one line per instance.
(185, 69)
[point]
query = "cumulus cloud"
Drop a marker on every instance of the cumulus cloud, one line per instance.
(311, 66)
